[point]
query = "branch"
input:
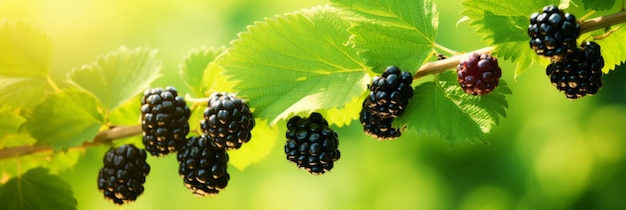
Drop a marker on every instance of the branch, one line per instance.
(102, 137)
(602, 22)
(440, 66)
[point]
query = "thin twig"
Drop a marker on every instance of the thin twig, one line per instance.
(102, 137)
(602, 22)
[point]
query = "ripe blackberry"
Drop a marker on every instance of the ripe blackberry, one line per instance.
(164, 120)
(203, 166)
(553, 33)
(227, 120)
(124, 172)
(478, 74)
(378, 127)
(580, 73)
(311, 144)
(389, 95)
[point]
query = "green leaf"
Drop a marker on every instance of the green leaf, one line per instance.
(25, 63)
(344, 116)
(295, 63)
(392, 32)
(118, 76)
(65, 119)
(215, 80)
(598, 5)
(504, 24)
(442, 108)
(10, 123)
(263, 139)
(37, 189)
(128, 114)
(614, 54)
(193, 69)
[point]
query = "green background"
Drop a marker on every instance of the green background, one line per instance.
(548, 153)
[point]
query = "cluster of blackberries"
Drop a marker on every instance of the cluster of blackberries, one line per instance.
(553, 33)
(580, 73)
(478, 74)
(389, 95)
(575, 71)
(311, 144)
(202, 159)
(124, 172)
(164, 120)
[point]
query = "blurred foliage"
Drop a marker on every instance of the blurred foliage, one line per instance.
(549, 153)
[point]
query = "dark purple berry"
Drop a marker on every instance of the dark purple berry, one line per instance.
(478, 74)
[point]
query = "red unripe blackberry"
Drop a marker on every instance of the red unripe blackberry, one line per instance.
(580, 73)
(311, 144)
(164, 120)
(203, 166)
(553, 33)
(123, 174)
(478, 74)
(228, 121)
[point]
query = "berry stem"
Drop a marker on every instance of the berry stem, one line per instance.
(190, 98)
(436, 67)
(102, 137)
(590, 13)
(445, 49)
(195, 102)
(607, 34)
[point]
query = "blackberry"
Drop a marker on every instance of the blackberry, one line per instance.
(203, 166)
(227, 120)
(164, 120)
(124, 172)
(378, 127)
(389, 95)
(553, 33)
(580, 73)
(311, 144)
(478, 74)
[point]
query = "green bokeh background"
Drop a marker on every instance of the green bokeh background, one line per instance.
(548, 153)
